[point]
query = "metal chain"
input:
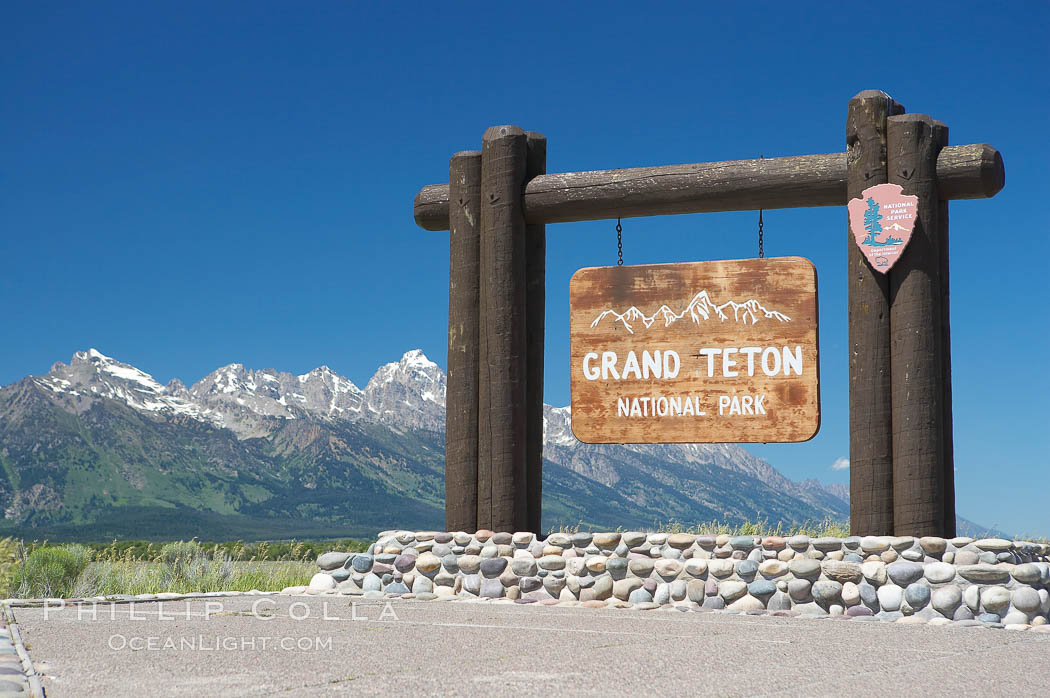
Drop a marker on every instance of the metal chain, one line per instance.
(619, 243)
(761, 251)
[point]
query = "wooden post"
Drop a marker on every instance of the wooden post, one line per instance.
(871, 440)
(461, 404)
(946, 372)
(535, 305)
(914, 141)
(502, 406)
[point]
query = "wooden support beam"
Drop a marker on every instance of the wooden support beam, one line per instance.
(871, 435)
(916, 351)
(502, 405)
(963, 172)
(461, 404)
(535, 305)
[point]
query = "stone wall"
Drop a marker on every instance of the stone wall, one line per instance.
(989, 581)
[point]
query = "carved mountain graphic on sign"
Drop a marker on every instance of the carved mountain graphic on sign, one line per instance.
(701, 307)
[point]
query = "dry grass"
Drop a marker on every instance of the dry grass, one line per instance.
(180, 567)
(121, 577)
(760, 527)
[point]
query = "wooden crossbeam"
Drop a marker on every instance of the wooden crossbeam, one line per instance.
(963, 172)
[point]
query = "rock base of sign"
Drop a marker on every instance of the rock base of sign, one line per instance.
(991, 582)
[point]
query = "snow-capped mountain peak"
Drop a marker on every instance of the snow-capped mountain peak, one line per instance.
(411, 392)
(126, 372)
(321, 373)
(91, 375)
(557, 426)
(417, 359)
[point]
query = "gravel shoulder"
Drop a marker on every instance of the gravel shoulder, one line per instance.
(326, 646)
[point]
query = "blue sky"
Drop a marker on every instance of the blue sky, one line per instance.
(186, 185)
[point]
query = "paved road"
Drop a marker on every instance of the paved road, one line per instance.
(422, 648)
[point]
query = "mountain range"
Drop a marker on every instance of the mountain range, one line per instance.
(97, 449)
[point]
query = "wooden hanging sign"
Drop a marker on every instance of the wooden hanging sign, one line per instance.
(882, 220)
(699, 352)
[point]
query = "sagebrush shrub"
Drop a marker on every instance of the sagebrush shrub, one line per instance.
(53, 571)
(179, 550)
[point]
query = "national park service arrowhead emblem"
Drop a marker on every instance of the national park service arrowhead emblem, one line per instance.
(881, 222)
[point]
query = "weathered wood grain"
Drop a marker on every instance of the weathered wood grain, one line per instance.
(963, 172)
(502, 405)
(628, 309)
(914, 140)
(946, 372)
(535, 304)
(870, 407)
(461, 404)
